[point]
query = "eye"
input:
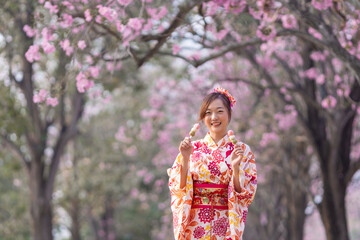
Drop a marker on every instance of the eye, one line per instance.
(207, 113)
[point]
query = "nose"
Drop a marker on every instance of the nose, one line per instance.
(213, 116)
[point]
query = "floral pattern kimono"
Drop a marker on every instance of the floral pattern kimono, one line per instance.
(211, 163)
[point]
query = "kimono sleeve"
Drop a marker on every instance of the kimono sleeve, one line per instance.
(248, 178)
(181, 198)
(174, 174)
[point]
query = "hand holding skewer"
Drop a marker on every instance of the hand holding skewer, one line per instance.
(238, 153)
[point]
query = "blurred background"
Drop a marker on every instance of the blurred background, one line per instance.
(96, 96)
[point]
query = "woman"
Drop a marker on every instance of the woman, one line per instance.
(212, 181)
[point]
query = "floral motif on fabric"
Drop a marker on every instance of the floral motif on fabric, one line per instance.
(197, 146)
(214, 168)
(206, 215)
(244, 216)
(195, 157)
(199, 232)
(217, 156)
(220, 226)
(205, 149)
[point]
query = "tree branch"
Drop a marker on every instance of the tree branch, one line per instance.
(16, 150)
(353, 168)
(67, 133)
(179, 18)
(332, 44)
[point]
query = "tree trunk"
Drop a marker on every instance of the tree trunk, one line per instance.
(333, 212)
(75, 222)
(40, 204)
(296, 195)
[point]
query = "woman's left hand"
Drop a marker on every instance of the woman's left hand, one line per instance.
(236, 156)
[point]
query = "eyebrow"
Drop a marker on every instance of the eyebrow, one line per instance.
(216, 108)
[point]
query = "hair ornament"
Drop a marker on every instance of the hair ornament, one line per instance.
(227, 94)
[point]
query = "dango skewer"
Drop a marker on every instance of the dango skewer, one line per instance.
(194, 129)
(232, 137)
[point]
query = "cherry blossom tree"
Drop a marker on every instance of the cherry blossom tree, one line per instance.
(306, 52)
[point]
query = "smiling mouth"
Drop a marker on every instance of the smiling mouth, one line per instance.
(215, 124)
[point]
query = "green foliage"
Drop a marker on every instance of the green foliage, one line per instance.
(14, 213)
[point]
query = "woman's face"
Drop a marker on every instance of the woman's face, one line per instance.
(217, 117)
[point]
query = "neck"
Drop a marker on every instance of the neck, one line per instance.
(217, 136)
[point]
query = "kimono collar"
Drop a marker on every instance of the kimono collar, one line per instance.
(211, 143)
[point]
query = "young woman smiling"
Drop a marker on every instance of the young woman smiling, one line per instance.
(212, 181)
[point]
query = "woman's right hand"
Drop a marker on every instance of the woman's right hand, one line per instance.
(186, 148)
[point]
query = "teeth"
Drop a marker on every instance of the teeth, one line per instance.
(215, 124)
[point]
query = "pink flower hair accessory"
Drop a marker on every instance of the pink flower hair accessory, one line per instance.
(227, 94)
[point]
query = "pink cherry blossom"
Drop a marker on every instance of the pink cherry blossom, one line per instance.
(146, 130)
(337, 79)
(148, 26)
(89, 59)
(47, 35)
(88, 16)
(266, 32)
(256, 14)
(320, 79)
(131, 151)
(121, 135)
(52, 8)
(235, 7)
(68, 5)
(32, 53)
(82, 83)
(81, 44)
(337, 64)
(160, 28)
(340, 92)
(321, 4)
(98, 19)
(124, 2)
(222, 34)
(48, 47)
(51, 101)
(111, 66)
(329, 102)
(196, 56)
(317, 56)
(29, 31)
(65, 45)
(289, 21)
(211, 8)
(311, 73)
(293, 58)
(152, 113)
(40, 97)
(135, 23)
(315, 33)
(176, 49)
(267, 138)
(348, 45)
(67, 21)
(94, 71)
(109, 13)
(157, 14)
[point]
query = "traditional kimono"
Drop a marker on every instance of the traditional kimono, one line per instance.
(210, 165)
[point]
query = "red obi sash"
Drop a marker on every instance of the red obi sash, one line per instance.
(210, 195)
